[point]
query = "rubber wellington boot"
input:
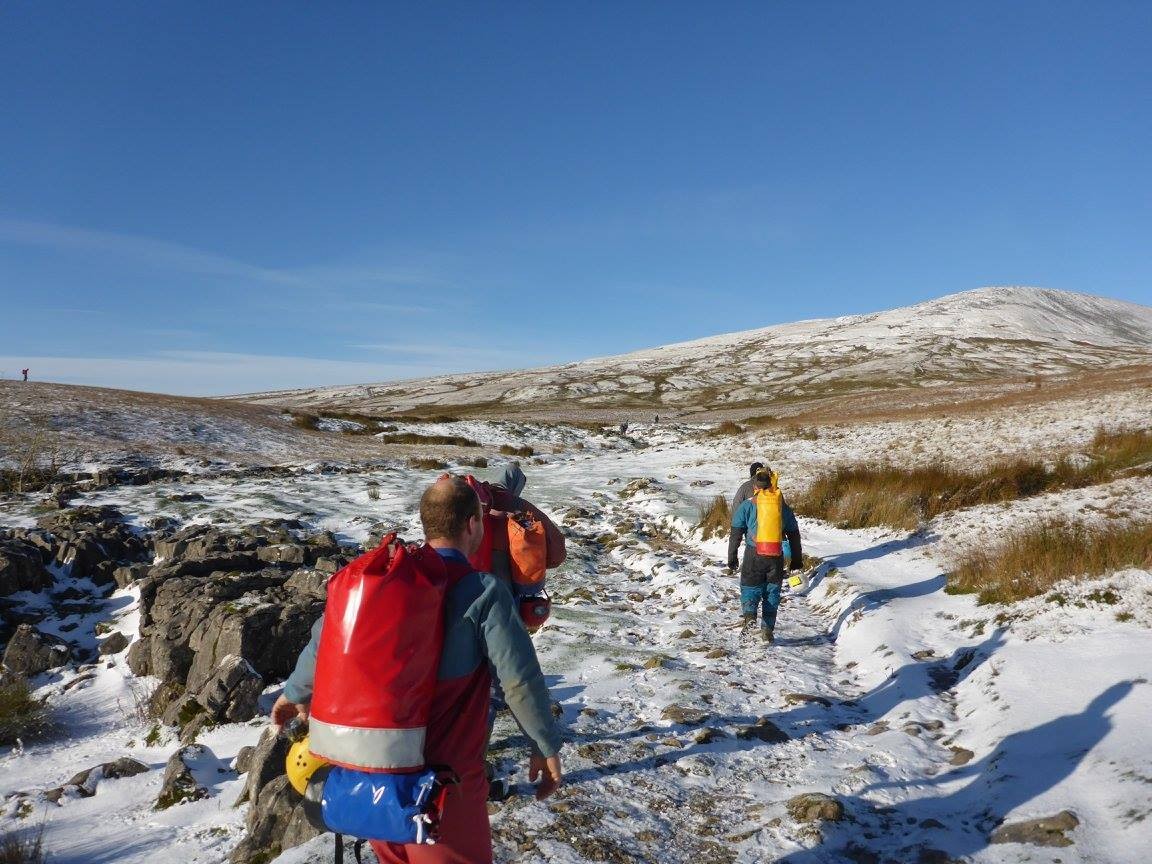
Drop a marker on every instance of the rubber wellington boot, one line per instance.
(766, 635)
(749, 622)
(498, 787)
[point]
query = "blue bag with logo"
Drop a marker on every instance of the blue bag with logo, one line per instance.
(395, 808)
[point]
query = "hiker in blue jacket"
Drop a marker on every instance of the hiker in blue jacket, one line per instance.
(761, 575)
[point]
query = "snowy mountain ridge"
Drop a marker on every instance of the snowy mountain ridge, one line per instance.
(987, 333)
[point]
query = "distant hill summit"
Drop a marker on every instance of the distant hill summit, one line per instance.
(988, 334)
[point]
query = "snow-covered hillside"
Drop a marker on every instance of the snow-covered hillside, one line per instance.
(985, 334)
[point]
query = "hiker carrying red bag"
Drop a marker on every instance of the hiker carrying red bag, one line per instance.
(520, 542)
(391, 734)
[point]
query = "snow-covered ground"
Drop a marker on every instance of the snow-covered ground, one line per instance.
(928, 717)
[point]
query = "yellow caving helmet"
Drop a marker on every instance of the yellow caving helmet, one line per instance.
(301, 765)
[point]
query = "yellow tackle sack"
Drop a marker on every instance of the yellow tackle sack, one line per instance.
(769, 505)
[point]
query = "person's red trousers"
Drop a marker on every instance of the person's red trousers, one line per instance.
(465, 837)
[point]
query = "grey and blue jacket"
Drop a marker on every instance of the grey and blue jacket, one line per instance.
(744, 528)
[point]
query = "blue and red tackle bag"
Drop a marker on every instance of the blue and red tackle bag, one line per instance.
(376, 670)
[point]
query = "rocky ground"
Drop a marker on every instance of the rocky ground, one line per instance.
(889, 723)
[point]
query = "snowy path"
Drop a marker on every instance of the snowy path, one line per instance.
(884, 695)
(662, 694)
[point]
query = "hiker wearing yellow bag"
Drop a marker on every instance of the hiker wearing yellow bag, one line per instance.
(762, 523)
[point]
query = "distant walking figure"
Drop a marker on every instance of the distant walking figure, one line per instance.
(25, 371)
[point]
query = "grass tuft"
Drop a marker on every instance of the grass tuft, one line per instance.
(21, 715)
(417, 438)
(715, 518)
(861, 496)
(425, 463)
(1031, 561)
(804, 433)
(35, 463)
(17, 849)
(509, 450)
(303, 420)
(728, 427)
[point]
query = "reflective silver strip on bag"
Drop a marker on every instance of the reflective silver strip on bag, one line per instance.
(386, 749)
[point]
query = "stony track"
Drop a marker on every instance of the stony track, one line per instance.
(688, 737)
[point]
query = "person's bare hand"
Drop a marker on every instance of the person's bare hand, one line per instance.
(283, 711)
(549, 773)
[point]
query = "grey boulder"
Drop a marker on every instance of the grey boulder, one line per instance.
(31, 652)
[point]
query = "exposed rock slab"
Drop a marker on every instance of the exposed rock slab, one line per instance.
(180, 784)
(1045, 831)
(84, 784)
(815, 807)
(31, 652)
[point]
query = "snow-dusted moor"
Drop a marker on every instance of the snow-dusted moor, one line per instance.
(162, 561)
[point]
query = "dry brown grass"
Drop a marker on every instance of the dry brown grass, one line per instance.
(417, 438)
(788, 429)
(364, 430)
(1124, 449)
(857, 498)
(427, 463)
(715, 518)
(727, 427)
(28, 849)
(956, 400)
(509, 450)
(303, 420)
(34, 462)
(1031, 561)
(860, 496)
(21, 715)
(805, 433)
(425, 418)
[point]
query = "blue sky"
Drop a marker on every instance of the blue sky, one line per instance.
(222, 197)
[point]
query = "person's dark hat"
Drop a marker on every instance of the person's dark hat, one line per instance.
(763, 478)
(754, 467)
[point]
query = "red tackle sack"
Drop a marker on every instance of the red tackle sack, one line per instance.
(495, 542)
(378, 658)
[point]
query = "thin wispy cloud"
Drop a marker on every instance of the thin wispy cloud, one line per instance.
(384, 275)
(157, 254)
(163, 255)
(174, 333)
(387, 308)
(69, 310)
(445, 350)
